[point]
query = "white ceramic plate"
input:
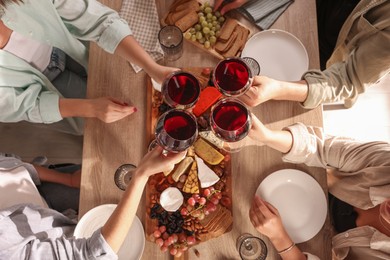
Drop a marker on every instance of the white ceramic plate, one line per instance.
(280, 54)
(299, 199)
(134, 244)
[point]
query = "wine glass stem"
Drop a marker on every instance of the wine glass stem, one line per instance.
(248, 245)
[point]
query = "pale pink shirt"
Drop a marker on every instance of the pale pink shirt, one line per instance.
(35, 53)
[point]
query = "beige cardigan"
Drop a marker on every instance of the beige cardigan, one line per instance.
(364, 169)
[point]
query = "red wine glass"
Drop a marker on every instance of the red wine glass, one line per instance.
(181, 90)
(176, 130)
(230, 120)
(232, 76)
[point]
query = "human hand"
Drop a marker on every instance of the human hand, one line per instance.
(266, 219)
(155, 161)
(109, 110)
(161, 72)
(258, 132)
(262, 89)
(229, 6)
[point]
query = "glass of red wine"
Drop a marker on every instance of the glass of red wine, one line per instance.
(232, 76)
(180, 90)
(230, 120)
(176, 130)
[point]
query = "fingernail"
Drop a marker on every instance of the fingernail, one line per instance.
(135, 109)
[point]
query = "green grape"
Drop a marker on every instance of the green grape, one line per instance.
(206, 4)
(209, 16)
(210, 25)
(213, 39)
(199, 35)
(213, 29)
(214, 18)
(201, 41)
(221, 19)
(217, 33)
(205, 24)
(212, 33)
(192, 30)
(206, 30)
(217, 14)
(193, 38)
(198, 27)
(200, 14)
(207, 44)
(208, 10)
(202, 19)
(214, 23)
(187, 35)
(217, 27)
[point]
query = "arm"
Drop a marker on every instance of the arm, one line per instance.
(264, 89)
(117, 226)
(48, 175)
(266, 219)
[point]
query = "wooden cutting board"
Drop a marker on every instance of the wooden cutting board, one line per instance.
(159, 182)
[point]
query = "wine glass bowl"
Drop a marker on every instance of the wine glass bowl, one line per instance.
(176, 130)
(181, 90)
(232, 76)
(251, 248)
(230, 120)
(123, 175)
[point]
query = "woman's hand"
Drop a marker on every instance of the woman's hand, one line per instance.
(229, 6)
(258, 132)
(262, 89)
(161, 72)
(266, 219)
(155, 161)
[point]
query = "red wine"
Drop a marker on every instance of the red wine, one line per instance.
(231, 76)
(176, 130)
(182, 89)
(230, 120)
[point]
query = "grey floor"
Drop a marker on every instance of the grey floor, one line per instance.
(368, 119)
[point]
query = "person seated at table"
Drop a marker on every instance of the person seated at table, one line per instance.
(28, 229)
(44, 58)
(361, 58)
(358, 181)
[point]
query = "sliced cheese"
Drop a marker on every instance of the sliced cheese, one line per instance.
(181, 168)
(212, 138)
(206, 176)
(192, 183)
(208, 153)
(171, 199)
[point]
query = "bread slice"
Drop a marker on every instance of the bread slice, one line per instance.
(187, 21)
(242, 35)
(227, 29)
(192, 5)
(222, 47)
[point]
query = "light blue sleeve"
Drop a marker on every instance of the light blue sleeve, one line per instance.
(89, 20)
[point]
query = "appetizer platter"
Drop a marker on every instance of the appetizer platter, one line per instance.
(219, 35)
(192, 203)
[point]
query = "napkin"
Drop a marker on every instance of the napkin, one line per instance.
(264, 12)
(143, 20)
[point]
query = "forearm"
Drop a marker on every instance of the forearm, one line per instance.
(118, 225)
(294, 91)
(287, 249)
(49, 175)
(75, 107)
(280, 140)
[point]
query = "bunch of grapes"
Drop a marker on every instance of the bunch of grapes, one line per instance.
(207, 30)
(199, 206)
(175, 243)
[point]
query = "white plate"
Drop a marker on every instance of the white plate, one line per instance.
(280, 54)
(134, 244)
(299, 199)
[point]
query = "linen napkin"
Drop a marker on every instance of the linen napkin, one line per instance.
(143, 20)
(264, 12)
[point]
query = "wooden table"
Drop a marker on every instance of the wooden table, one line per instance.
(107, 146)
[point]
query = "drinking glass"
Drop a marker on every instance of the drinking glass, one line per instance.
(230, 120)
(251, 248)
(253, 65)
(232, 76)
(180, 90)
(123, 175)
(171, 41)
(176, 130)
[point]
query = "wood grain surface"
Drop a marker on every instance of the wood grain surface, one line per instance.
(107, 146)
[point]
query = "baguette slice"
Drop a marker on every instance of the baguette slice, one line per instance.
(182, 168)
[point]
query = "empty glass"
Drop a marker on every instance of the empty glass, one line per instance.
(123, 175)
(253, 65)
(251, 248)
(171, 41)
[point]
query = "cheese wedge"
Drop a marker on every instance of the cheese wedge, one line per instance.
(181, 168)
(207, 98)
(192, 183)
(211, 138)
(171, 199)
(208, 153)
(206, 176)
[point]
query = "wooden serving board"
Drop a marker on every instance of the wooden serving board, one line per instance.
(157, 183)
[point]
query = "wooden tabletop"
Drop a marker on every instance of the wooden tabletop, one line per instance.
(107, 146)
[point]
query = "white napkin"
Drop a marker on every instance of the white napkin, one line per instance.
(143, 20)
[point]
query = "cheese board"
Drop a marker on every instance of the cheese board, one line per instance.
(192, 203)
(220, 36)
